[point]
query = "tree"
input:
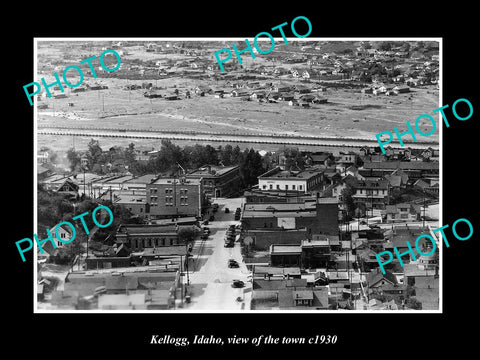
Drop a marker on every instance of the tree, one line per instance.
(94, 152)
(236, 155)
(347, 199)
(186, 234)
(293, 159)
(74, 158)
(413, 303)
(226, 155)
(130, 155)
(251, 166)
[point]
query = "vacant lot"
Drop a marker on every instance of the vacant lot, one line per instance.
(348, 112)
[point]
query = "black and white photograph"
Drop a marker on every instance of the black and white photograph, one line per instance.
(262, 187)
(205, 179)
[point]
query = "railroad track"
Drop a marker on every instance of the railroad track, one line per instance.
(222, 137)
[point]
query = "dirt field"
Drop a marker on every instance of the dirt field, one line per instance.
(348, 112)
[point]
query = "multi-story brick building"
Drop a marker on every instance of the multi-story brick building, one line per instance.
(294, 181)
(218, 181)
(174, 197)
(319, 216)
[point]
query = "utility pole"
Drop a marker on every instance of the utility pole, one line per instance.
(423, 223)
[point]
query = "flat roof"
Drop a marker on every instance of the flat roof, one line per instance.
(270, 207)
(130, 199)
(144, 179)
(206, 170)
(283, 214)
(277, 173)
(170, 181)
(406, 165)
(285, 249)
(147, 229)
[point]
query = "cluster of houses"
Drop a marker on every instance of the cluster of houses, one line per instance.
(291, 233)
(300, 256)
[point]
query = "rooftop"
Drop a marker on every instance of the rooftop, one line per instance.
(285, 249)
(212, 170)
(406, 165)
(277, 173)
(176, 181)
(147, 229)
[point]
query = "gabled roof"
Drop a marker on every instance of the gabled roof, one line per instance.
(375, 276)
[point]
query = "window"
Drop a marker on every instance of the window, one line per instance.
(271, 186)
(278, 187)
(403, 216)
(293, 187)
(264, 187)
(286, 187)
(185, 191)
(300, 187)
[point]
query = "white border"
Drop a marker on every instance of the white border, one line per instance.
(319, 312)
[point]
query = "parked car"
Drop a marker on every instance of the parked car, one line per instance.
(233, 263)
(211, 218)
(228, 244)
(206, 229)
(205, 222)
(227, 210)
(215, 207)
(204, 236)
(238, 284)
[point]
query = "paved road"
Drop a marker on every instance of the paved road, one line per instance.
(211, 280)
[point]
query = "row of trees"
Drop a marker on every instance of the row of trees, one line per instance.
(168, 158)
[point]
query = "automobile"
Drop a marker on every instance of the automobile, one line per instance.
(237, 217)
(205, 222)
(228, 244)
(374, 227)
(206, 229)
(239, 210)
(227, 210)
(231, 226)
(215, 207)
(233, 263)
(204, 236)
(238, 284)
(211, 218)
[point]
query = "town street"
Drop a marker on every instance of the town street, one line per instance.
(211, 279)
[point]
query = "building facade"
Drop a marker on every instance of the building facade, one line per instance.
(140, 237)
(286, 180)
(217, 181)
(173, 197)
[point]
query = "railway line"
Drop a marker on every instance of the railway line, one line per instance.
(279, 139)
